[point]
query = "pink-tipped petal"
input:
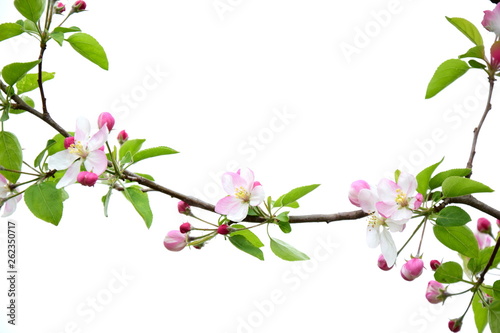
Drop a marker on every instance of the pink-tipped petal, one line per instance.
(98, 139)
(70, 175)
(96, 161)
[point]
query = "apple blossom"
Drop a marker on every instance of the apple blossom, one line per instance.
(396, 199)
(483, 240)
(175, 240)
(491, 20)
(357, 186)
(6, 192)
(85, 150)
(243, 192)
(436, 292)
(412, 269)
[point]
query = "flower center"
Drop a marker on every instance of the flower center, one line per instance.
(242, 194)
(375, 221)
(401, 199)
(77, 148)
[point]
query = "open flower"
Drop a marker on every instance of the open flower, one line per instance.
(396, 199)
(85, 150)
(243, 192)
(5, 192)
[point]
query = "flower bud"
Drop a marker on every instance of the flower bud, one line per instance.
(455, 325)
(223, 229)
(419, 198)
(122, 137)
(79, 6)
(185, 227)
(107, 119)
(382, 264)
(87, 178)
(175, 240)
(436, 292)
(183, 208)
(412, 269)
(59, 8)
(357, 186)
(435, 264)
(483, 225)
(69, 141)
(483, 240)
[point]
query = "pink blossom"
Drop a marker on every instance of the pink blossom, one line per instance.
(175, 240)
(6, 192)
(436, 292)
(87, 178)
(122, 137)
(483, 240)
(183, 208)
(357, 186)
(243, 192)
(107, 119)
(484, 225)
(382, 264)
(85, 150)
(491, 20)
(434, 264)
(185, 227)
(412, 269)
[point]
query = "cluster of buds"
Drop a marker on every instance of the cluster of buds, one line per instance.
(78, 6)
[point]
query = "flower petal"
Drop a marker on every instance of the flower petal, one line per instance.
(247, 176)
(96, 161)
(235, 209)
(407, 182)
(82, 129)
(61, 160)
(98, 139)
(372, 236)
(386, 208)
(388, 247)
(231, 181)
(10, 206)
(367, 199)
(386, 189)
(70, 175)
(257, 196)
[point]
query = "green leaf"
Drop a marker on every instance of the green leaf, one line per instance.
(11, 155)
(248, 234)
(242, 243)
(45, 201)
(286, 251)
(494, 316)
(294, 195)
(438, 179)
(30, 82)
(496, 289)
(58, 37)
(456, 186)
(31, 9)
(65, 30)
(140, 201)
(475, 64)
(9, 30)
(424, 176)
(105, 200)
(467, 28)
(89, 48)
(40, 156)
(30, 26)
(26, 100)
(452, 216)
(476, 265)
(16, 71)
(152, 152)
(480, 313)
(474, 52)
(283, 222)
(445, 74)
(460, 239)
(132, 146)
(449, 272)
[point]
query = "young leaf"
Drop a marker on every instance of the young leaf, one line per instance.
(283, 222)
(456, 186)
(242, 243)
(45, 201)
(494, 316)
(9, 30)
(480, 313)
(14, 72)
(89, 48)
(424, 176)
(30, 82)
(140, 201)
(11, 155)
(132, 146)
(294, 195)
(105, 200)
(476, 265)
(40, 156)
(475, 64)
(438, 179)
(452, 216)
(64, 30)
(460, 239)
(474, 52)
(467, 28)
(31, 9)
(286, 251)
(153, 152)
(449, 272)
(445, 74)
(248, 234)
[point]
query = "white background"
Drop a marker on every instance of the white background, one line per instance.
(223, 72)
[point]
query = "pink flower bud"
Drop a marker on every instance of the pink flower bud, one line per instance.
(59, 8)
(382, 264)
(498, 223)
(107, 119)
(436, 292)
(491, 20)
(79, 6)
(412, 269)
(435, 264)
(175, 240)
(69, 141)
(483, 225)
(357, 186)
(419, 198)
(455, 325)
(183, 208)
(122, 137)
(87, 178)
(483, 240)
(185, 227)
(223, 229)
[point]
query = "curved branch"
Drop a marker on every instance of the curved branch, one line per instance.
(473, 202)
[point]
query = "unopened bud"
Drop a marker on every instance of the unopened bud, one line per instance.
(356, 187)
(483, 225)
(435, 264)
(412, 269)
(175, 240)
(69, 141)
(59, 8)
(107, 119)
(87, 178)
(382, 264)
(223, 229)
(185, 227)
(122, 137)
(455, 325)
(183, 208)
(79, 6)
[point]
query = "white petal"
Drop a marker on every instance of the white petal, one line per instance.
(367, 199)
(98, 139)
(70, 175)
(388, 247)
(407, 182)
(82, 129)
(257, 196)
(372, 236)
(61, 160)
